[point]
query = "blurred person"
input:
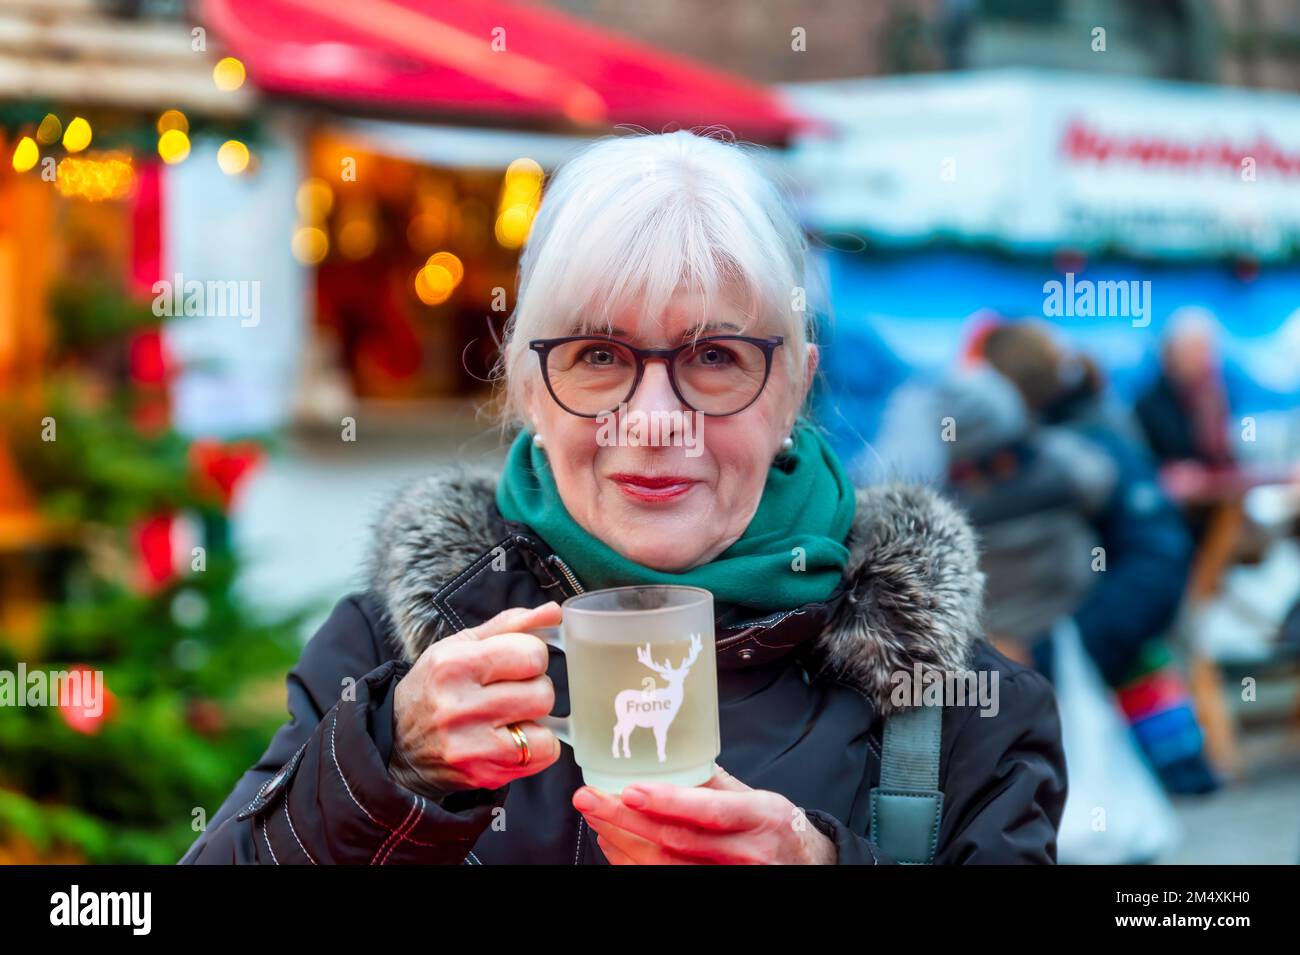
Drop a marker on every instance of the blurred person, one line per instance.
(1146, 549)
(671, 241)
(1184, 414)
(1032, 493)
(1186, 420)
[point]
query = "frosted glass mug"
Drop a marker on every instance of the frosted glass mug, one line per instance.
(643, 685)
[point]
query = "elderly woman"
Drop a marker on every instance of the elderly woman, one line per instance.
(662, 283)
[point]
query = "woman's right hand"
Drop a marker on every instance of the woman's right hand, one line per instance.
(452, 708)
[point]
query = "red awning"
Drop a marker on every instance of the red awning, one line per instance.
(507, 61)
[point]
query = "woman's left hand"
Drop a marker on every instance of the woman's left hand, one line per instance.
(722, 822)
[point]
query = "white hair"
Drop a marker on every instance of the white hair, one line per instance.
(630, 220)
(1194, 321)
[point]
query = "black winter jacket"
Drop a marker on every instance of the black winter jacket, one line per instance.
(801, 693)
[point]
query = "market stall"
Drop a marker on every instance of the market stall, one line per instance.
(427, 132)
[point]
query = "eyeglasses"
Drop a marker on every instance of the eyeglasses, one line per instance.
(590, 375)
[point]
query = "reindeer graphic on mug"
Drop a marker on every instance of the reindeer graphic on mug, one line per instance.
(655, 708)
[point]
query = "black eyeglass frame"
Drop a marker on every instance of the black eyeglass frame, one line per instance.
(543, 347)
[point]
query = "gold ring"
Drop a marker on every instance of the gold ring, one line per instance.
(521, 741)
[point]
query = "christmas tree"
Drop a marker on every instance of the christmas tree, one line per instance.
(133, 575)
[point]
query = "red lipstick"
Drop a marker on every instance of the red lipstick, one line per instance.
(653, 489)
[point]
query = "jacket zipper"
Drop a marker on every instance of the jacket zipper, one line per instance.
(568, 574)
(577, 589)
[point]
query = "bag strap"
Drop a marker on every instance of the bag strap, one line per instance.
(907, 806)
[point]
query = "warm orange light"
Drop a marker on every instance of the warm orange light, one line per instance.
(310, 245)
(228, 74)
(455, 268)
(173, 119)
(77, 136)
(513, 226)
(173, 146)
(434, 284)
(521, 193)
(95, 178)
(315, 199)
(524, 169)
(232, 157)
(26, 154)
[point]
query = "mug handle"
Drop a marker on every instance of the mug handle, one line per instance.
(561, 726)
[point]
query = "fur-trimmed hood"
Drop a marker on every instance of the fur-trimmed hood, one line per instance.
(912, 591)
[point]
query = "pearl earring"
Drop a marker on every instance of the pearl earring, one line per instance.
(787, 444)
(537, 441)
